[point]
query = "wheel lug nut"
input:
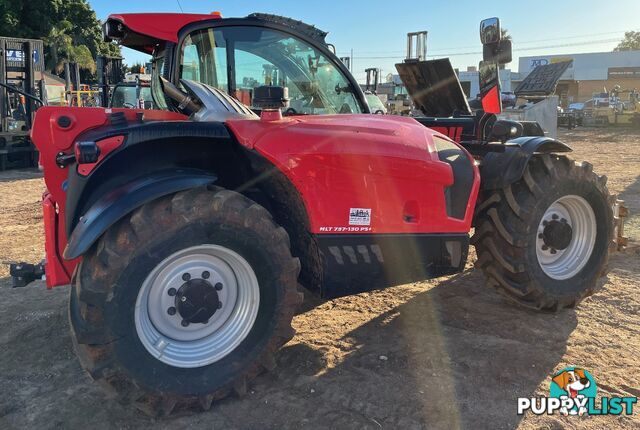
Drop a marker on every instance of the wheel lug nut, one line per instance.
(539, 235)
(563, 220)
(205, 275)
(219, 305)
(545, 222)
(553, 251)
(171, 311)
(172, 292)
(186, 277)
(218, 286)
(184, 323)
(554, 216)
(545, 247)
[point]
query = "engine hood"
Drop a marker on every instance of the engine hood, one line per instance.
(401, 135)
(385, 164)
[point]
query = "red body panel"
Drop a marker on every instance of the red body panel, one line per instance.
(344, 166)
(57, 270)
(387, 165)
(491, 101)
(106, 147)
(50, 139)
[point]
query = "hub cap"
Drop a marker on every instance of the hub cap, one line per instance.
(197, 306)
(566, 237)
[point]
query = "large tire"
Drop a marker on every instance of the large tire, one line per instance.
(125, 267)
(515, 245)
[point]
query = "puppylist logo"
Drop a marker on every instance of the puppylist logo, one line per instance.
(573, 392)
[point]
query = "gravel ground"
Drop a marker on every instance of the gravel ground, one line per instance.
(446, 353)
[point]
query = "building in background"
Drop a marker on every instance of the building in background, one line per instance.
(589, 74)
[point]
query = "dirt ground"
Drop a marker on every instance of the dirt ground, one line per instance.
(446, 353)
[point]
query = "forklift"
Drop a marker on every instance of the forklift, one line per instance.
(21, 93)
(123, 90)
(371, 91)
(619, 111)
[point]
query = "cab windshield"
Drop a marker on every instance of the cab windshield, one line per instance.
(238, 59)
(131, 96)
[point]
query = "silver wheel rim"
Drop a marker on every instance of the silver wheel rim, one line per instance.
(562, 264)
(197, 344)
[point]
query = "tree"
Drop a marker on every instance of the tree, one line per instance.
(70, 29)
(631, 42)
(504, 35)
(62, 48)
(32, 19)
(86, 28)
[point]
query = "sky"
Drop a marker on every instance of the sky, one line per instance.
(376, 30)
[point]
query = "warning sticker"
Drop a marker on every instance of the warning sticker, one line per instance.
(359, 216)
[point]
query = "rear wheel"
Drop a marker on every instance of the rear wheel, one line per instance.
(544, 241)
(185, 300)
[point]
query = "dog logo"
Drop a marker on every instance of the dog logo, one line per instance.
(573, 392)
(576, 384)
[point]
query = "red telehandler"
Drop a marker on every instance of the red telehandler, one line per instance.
(185, 231)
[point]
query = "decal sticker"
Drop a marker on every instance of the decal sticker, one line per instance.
(359, 216)
(345, 229)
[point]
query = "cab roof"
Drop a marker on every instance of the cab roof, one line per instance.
(143, 31)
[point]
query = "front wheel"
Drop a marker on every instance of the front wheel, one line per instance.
(185, 300)
(544, 241)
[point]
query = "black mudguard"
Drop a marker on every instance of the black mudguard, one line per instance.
(114, 205)
(135, 159)
(500, 169)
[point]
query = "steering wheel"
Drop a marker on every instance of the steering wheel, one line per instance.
(128, 105)
(290, 111)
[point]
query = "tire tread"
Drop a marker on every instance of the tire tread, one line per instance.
(96, 276)
(502, 233)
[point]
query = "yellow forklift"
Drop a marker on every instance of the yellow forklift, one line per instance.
(619, 111)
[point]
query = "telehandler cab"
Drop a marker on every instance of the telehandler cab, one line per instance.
(185, 231)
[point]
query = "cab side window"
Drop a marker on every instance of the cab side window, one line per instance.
(204, 59)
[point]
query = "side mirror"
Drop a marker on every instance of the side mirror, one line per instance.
(500, 52)
(490, 31)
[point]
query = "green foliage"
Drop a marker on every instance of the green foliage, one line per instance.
(70, 29)
(31, 19)
(84, 58)
(631, 42)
